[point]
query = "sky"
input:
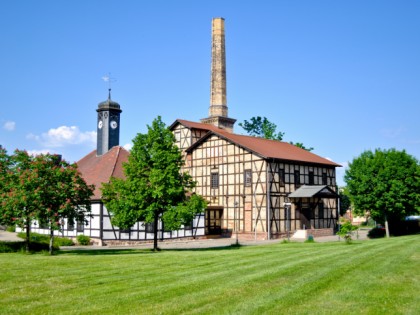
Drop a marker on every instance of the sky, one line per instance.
(339, 76)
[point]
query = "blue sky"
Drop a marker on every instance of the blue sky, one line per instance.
(339, 76)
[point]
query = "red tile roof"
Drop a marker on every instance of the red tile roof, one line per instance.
(195, 125)
(99, 169)
(269, 149)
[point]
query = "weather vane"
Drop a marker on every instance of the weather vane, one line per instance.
(109, 79)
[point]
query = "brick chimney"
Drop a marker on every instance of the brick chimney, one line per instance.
(218, 111)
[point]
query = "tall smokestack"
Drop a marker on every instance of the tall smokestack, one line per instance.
(218, 105)
(218, 111)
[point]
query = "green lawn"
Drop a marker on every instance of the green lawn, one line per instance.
(368, 277)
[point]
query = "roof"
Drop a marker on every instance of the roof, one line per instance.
(268, 149)
(310, 191)
(194, 125)
(99, 169)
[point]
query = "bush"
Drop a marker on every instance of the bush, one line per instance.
(63, 241)
(376, 232)
(11, 228)
(83, 240)
(44, 238)
(346, 230)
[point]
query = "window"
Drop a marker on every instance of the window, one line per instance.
(281, 177)
(214, 182)
(324, 179)
(149, 227)
(70, 226)
(189, 225)
(311, 178)
(80, 227)
(43, 225)
(297, 178)
(248, 178)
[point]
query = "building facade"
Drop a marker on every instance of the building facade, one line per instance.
(255, 188)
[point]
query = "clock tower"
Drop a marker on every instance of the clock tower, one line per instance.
(108, 127)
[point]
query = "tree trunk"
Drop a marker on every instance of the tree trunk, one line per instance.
(155, 232)
(51, 241)
(28, 234)
(386, 227)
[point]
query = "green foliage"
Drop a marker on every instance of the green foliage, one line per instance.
(376, 232)
(345, 202)
(44, 238)
(386, 183)
(263, 128)
(63, 241)
(346, 230)
(154, 186)
(302, 146)
(11, 228)
(42, 188)
(83, 239)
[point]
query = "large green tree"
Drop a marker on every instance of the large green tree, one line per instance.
(263, 128)
(386, 183)
(41, 188)
(154, 187)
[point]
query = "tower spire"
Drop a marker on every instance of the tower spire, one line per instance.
(218, 111)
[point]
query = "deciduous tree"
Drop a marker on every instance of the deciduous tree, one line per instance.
(154, 187)
(42, 188)
(263, 128)
(386, 183)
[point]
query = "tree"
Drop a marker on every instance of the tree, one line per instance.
(386, 183)
(345, 202)
(63, 193)
(42, 188)
(263, 128)
(154, 187)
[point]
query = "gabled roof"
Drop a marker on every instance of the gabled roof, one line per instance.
(99, 169)
(314, 191)
(268, 149)
(194, 125)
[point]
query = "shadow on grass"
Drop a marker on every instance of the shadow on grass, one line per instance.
(130, 251)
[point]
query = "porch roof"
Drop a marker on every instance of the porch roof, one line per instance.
(311, 191)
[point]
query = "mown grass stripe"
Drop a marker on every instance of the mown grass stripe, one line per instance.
(282, 278)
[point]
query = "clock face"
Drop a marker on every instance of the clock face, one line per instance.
(100, 124)
(113, 124)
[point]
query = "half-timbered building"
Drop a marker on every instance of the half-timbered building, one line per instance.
(255, 188)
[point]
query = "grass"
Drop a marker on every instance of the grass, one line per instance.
(379, 276)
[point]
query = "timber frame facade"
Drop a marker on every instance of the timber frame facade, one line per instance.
(248, 191)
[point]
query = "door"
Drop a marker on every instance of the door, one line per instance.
(214, 221)
(305, 218)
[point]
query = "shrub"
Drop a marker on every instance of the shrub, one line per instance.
(83, 240)
(11, 228)
(63, 241)
(44, 238)
(376, 232)
(346, 230)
